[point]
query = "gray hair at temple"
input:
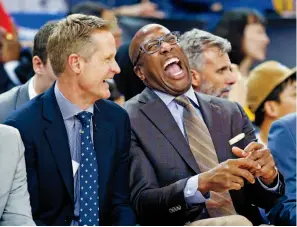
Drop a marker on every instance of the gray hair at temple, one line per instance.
(196, 41)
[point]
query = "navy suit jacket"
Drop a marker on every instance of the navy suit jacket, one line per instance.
(282, 143)
(48, 161)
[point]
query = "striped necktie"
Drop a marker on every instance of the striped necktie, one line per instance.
(201, 145)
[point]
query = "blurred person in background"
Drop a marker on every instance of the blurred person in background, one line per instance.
(137, 8)
(15, 62)
(282, 143)
(43, 78)
(245, 30)
(15, 209)
(210, 64)
(100, 10)
(271, 94)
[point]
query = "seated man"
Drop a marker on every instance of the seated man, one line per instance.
(183, 167)
(40, 82)
(271, 94)
(282, 143)
(210, 64)
(14, 197)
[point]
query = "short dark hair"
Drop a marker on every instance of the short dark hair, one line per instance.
(89, 8)
(273, 96)
(40, 40)
(231, 27)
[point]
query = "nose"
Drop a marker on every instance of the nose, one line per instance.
(267, 40)
(165, 47)
(115, 68)
(231, 78)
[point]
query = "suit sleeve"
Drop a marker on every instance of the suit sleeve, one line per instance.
(151, 201)
(122, 213)
(32, 176)
(284, 213)
(256, 193)
(17, 210)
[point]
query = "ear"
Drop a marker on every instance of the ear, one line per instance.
(75, 63)
(37, 65)
(271, 109)
(138, 71)
(196, 78)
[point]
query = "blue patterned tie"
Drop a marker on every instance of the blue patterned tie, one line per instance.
(89, 200)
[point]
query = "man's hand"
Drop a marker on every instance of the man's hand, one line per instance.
(228, 175)
(257, 152)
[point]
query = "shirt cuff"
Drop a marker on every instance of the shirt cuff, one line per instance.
(191, 193)
(10, 70)
(274, 189)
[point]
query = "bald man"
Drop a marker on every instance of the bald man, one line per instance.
(183, 169)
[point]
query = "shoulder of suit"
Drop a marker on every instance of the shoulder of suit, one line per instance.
(132, 105)
(225, 103)
(6, 130)
(110, 107)
(10, 95)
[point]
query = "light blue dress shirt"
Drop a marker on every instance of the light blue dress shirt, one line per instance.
(73, 126)
(191, 193)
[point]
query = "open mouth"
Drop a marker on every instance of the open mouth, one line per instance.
(173, 68)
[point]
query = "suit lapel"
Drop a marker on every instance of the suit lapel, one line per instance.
(103, 142)
(160, 116)
(57, 137)
(213, 118)
(23, 95)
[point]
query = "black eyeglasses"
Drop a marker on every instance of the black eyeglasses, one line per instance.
(152, 46)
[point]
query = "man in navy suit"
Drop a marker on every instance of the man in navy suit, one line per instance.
(76, 147)
(282, 143)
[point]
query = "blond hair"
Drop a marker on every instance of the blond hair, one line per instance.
(72, 35)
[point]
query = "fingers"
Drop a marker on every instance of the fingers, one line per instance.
(253, 146)
(245, 163)
(239, 152)
(259, 154)
(266, 171)
(238, 182)
(243, 173)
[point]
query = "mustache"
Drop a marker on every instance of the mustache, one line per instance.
(226, 89)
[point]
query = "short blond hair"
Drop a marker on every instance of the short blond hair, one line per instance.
(72, 35)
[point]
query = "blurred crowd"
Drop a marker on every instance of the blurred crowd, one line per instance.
(217, 85)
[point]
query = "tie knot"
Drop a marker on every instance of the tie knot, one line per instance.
(183, 101)
(84, 117)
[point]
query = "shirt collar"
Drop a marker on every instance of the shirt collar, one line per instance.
(31, 90)
(167, 99)
(67, 108)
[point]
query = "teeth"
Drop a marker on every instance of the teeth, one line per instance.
(170, 61)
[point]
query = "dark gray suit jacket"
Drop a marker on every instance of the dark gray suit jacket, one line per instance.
(13, 99)
(162, 162)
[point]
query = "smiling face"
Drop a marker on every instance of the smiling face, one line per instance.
(255, 41)
(167, 70)
(100, 66)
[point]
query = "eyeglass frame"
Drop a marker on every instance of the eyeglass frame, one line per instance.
(160, 40)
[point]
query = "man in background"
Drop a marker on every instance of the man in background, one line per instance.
(43, 78)
(271, 94)
(211, 68)
(282, 143)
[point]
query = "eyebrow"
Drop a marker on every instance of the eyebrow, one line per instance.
(224, 68)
